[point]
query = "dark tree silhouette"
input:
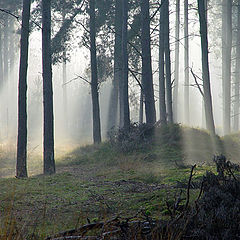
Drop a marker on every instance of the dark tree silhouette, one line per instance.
(168, 63)
(162, 97)
(205, 69)
(48, 129)
(94, 76)
(21, 168)
(147, 79)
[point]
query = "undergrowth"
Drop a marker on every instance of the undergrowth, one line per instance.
(97, 182)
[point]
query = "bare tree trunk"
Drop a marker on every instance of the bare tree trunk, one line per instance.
(94, 77)
(147, 79)
(237, 75)
(21, 167)
(126, 118)
(176, 73)
(226, 63)
(203, 108)
(162, 98)
(205, 69)
(168, 63)
(64, 86)
(186, 64)
(48, 128)
(117, 78)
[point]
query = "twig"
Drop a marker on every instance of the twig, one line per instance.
(189, 185)
(197, 84)
(135, 77)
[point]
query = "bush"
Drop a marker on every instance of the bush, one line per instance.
(138, 137)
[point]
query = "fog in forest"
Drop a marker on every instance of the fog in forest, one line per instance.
(72, 96)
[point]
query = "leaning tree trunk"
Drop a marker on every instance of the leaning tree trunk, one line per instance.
(168, 63)
(21, 168)
(205, 69)
(226, 63)
(94, 77)
(117, 78)
(48, 128)
(176, 67)
(147, 78)
(162, 98)
(186, 65)
(237, 75)
(126, 115)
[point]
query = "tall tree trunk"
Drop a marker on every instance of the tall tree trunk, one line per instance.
(126, 118)
(203, 108)
(186, 65)
(147, 79)
(64, 86)
(168, 63)
(205, 69)
(117, 78)
(48, 129)
(176, 67)
(226, 63)
(237, 75)
(162, 98)
(21, 168)
(94, 77)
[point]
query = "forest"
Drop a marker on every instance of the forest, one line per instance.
(119, 119)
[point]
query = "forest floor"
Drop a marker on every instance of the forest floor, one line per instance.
(95, 183)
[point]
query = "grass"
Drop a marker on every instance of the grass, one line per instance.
(99, 182)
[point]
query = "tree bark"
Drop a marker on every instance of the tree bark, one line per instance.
(147, 79)
(21, 167)
(176, 67)
(162, 98)
(186, 64)
(237, 75)
(168, 64)
(94, 77)
(205, 69)
(48, 128)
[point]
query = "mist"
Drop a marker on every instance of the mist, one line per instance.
(73, 112)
